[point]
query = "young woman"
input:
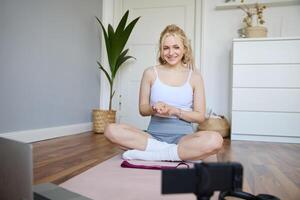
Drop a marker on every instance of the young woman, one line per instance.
(172, 93)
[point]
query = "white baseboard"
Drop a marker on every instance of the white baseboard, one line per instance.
(264, 138)
(36, 135)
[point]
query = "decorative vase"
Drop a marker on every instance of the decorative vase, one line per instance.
(256, 31)
(101, 118)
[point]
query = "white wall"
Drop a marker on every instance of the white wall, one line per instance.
(219, 28)
(48, 71)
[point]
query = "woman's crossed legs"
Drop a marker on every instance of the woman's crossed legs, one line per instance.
(195, 146)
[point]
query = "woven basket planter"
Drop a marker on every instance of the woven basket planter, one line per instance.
(219, 125)
(101, 118)
(256, 31)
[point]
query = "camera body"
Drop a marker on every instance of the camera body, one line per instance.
(203, 179)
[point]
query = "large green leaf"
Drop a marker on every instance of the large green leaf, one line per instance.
(122, 24)
(122, 60)
(106, 73)
(113, 72)
(110, 53)
(105, 35)
(126, 33)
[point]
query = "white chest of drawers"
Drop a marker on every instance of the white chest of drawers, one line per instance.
(266, 90)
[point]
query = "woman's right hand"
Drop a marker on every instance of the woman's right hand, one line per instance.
(159, 108)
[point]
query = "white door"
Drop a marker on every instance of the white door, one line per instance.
(143, 45)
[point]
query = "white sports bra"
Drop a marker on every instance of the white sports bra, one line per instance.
(177, 96)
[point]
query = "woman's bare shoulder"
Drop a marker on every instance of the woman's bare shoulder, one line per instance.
(196, 79)
(196, 76)
(149, 73)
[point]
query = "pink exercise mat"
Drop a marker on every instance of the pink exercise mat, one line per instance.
(109, 181)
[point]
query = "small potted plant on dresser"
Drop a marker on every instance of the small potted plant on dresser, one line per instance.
(115, 41)
(254, 27)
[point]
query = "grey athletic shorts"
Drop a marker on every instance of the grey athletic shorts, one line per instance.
(169, 130)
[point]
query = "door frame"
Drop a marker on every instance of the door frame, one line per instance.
(111, 13)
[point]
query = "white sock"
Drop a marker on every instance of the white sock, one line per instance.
(155, 145)
(167, 154)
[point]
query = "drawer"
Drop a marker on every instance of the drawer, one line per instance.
(261, 123)
(266, 99)
(275, 76)
(266, 52)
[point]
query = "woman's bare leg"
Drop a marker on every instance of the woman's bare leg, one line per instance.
(199, 145)
(128, 137)
(196, 146)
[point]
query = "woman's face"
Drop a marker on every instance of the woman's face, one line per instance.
(172, 50)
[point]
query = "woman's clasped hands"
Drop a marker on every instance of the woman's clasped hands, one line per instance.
(164, 110)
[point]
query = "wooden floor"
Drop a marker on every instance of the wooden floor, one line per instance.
(272, 168)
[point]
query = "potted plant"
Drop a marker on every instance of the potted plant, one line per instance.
(115, 41)
(252, 28)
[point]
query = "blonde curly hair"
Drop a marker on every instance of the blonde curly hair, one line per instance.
(174, 30)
